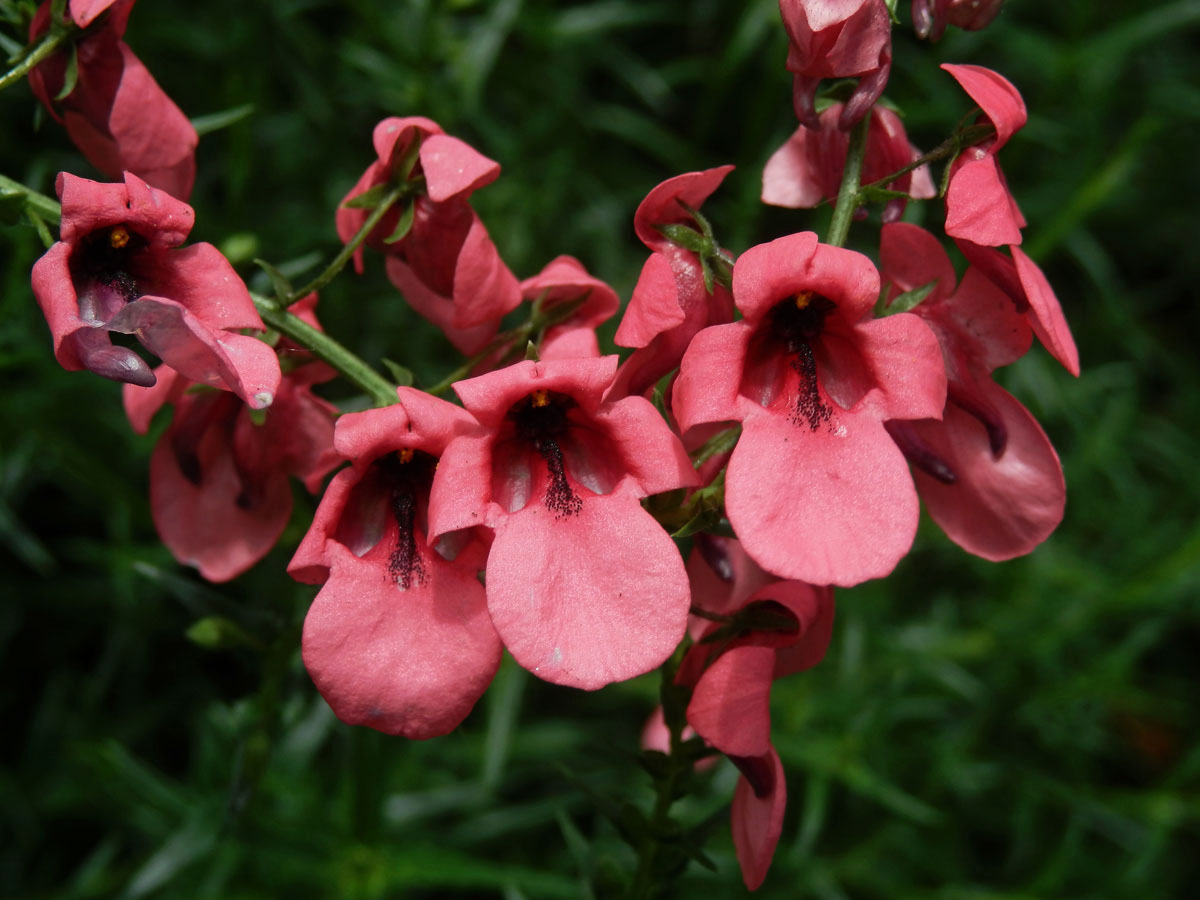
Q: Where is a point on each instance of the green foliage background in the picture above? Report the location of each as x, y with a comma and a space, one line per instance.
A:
977, 731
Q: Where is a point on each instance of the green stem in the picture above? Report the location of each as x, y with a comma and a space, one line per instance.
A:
847, 199
956, 143
381, 392
46, 208
339, 262
49, 44
514, 337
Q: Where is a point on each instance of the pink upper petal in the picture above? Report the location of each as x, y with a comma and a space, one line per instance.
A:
834, 505
979, 207
392, 135
731, 705
768, 273
986, 328
662, 204
83, 12
757, 823
1045, 313
999, 100
406, 662
563, 280
997, 508
454, 168
589, 598
419, 420
489, 397
155, 215
310, 564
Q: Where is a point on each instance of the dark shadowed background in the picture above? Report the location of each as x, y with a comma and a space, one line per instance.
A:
977, 732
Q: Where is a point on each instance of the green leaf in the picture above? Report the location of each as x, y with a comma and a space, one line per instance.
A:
531, 351
880, 195
909, 300
71, 76
403, 226
223, 119
401, 375
283, 287
891, 8
368, 199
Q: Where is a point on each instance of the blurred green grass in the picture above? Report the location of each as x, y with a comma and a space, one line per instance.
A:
977, 732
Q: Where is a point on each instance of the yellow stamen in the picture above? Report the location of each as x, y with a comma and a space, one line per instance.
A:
803, 299
541, 398
405, 454
118, 237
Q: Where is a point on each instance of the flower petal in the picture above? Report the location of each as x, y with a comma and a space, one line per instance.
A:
590, 598
731, 705
999, 100
997, 508
1045, 313
757, 823
406, 662
979, 207
826, 506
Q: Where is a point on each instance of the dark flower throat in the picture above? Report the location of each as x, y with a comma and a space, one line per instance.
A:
798, 322
541, 419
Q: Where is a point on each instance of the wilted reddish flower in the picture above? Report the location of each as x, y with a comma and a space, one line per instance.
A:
1025, 284
979, 207
770, 628
815, 489
445, 264
398, 638
808, 167
670, 302
930, 17
564, 280
583, 585
987, 472
119, 268
837, 39
219, 490
117, 115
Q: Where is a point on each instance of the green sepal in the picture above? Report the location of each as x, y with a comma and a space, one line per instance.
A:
905, 302
370, 198
58, 9
685, 237
722, 442
403, 225
258, 417
880, 195
531, 351
283, 287
223, 119
408, 162
401, 375
891, 8
71, 76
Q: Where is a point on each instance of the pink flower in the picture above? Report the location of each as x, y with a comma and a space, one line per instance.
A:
119, 268
987, 472
930, 17
773, 628
446, 264
837, 39
117, 115
583, 585
398, 638
815, 489
219, 490
564, 280
808, 167
979, 207
671, 301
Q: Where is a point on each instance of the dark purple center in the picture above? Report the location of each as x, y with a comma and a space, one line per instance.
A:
541, 419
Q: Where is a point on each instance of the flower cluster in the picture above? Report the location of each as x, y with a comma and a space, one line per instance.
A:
780, 418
